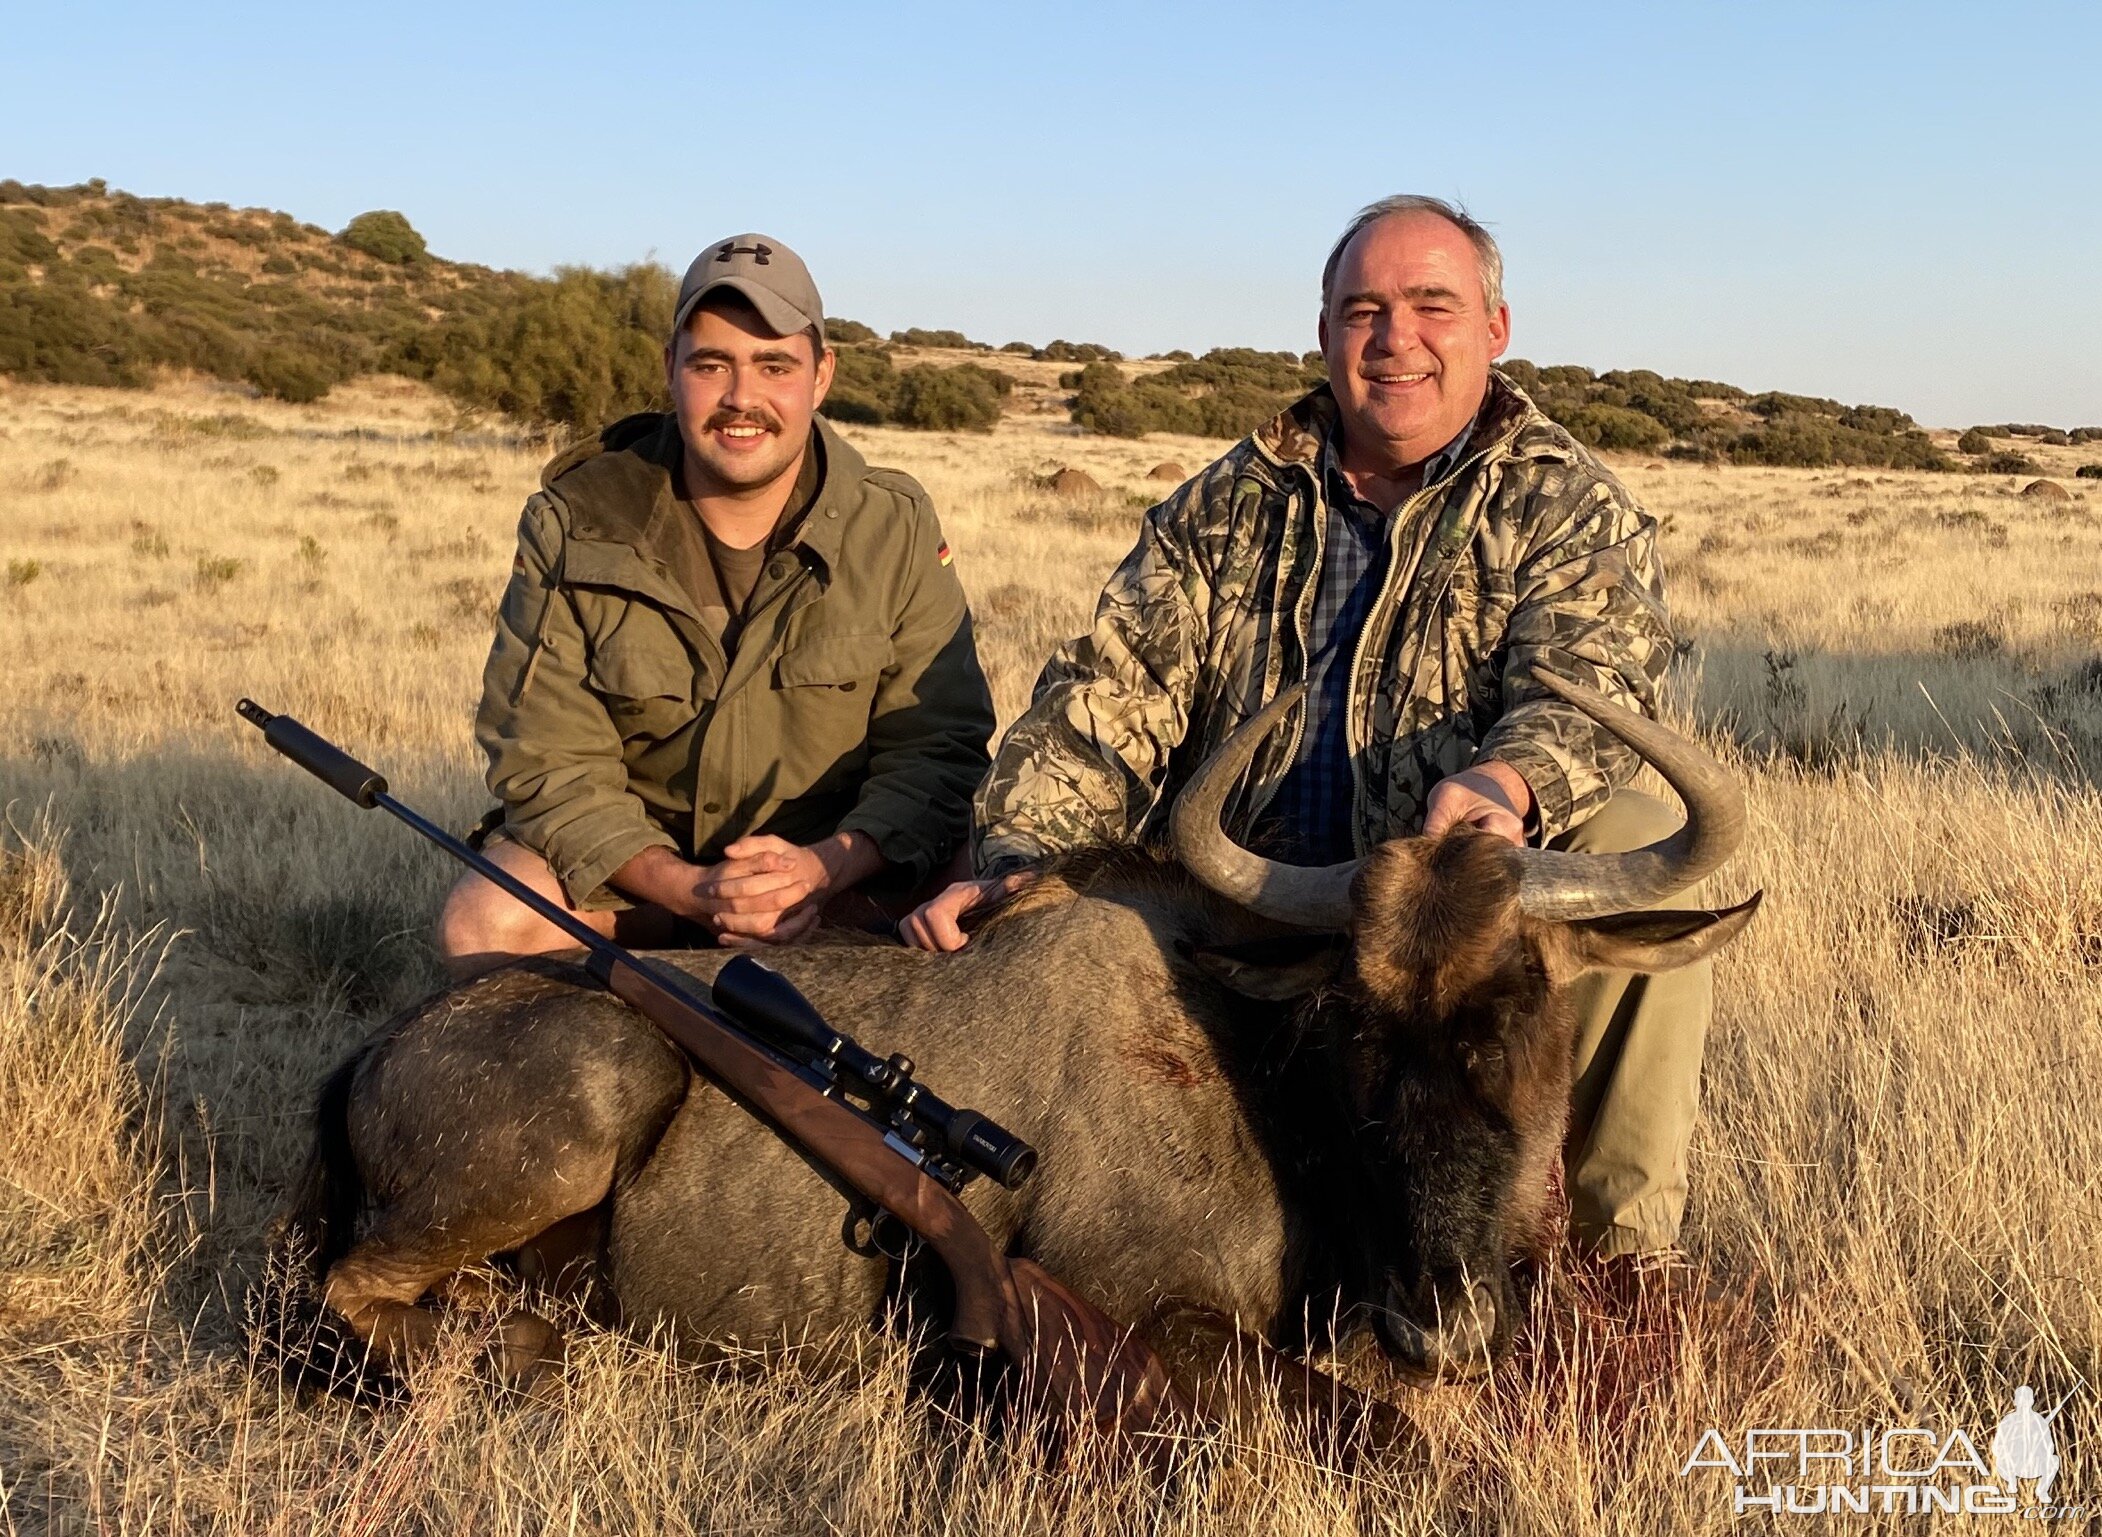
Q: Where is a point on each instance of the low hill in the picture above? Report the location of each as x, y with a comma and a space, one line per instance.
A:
105, 288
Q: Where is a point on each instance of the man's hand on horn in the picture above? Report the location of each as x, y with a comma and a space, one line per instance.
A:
1491, 795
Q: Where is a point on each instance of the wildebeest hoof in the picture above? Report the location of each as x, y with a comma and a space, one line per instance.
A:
528, 1352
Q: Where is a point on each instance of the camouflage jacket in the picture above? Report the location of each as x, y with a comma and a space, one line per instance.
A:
1527, 553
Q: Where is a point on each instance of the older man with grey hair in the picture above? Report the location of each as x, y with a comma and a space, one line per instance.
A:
1412, 540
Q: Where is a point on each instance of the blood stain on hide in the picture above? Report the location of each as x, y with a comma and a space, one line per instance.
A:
1157, 1062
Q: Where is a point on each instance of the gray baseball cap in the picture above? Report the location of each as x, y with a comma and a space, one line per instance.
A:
765, 273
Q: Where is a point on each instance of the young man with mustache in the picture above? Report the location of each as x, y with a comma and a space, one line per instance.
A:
733, 681
1411, 539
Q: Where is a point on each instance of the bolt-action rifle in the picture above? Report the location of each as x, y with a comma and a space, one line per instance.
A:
883, 1136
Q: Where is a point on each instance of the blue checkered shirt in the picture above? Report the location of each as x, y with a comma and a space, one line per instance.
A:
1308, 820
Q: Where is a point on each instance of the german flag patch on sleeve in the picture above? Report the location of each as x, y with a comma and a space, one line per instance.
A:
941, 553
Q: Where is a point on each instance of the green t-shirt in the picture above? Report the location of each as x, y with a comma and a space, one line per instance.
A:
719, 577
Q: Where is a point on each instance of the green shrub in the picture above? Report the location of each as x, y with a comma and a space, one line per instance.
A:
2009, 462
863, 386
1775, 403
847, 333
1224, 394
1003, 383
1616, 428
916, 337
1118, 414
1023, 348
574, 352
289, 375
2088, 472
1812, 440
947, 399
1975, 441
1792, 429
2085, 435
385, 235
1063, 351
1884, 421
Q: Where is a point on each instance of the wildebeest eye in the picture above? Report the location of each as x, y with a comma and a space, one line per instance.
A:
1486, 1065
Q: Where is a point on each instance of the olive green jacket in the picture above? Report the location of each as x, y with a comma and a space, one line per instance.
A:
613, 722
1527, 553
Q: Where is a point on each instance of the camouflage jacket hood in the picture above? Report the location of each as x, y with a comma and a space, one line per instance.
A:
1526, 553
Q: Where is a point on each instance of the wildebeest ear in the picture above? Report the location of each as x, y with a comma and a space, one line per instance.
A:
1657, 941
1273, 969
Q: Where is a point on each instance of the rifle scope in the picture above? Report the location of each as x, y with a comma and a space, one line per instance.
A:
759, 997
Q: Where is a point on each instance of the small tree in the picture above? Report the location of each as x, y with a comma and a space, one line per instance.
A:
1976, 441
385, 235
289, 374
947, 399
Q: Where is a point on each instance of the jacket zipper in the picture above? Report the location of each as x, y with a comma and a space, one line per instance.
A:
1352, 741
1351, 744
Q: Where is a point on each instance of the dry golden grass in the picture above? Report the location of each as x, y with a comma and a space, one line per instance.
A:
1895, 1192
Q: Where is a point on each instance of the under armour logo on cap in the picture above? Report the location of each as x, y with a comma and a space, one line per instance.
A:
730, 248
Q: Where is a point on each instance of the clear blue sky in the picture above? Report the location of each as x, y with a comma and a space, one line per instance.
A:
1889, 203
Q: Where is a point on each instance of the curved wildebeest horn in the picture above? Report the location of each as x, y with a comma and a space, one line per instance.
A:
1305, 896
1554, 884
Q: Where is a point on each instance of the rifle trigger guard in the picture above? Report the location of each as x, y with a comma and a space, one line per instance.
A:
874, 1233
858, 1230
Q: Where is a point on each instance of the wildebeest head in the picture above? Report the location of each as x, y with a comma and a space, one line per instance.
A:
1447, 1018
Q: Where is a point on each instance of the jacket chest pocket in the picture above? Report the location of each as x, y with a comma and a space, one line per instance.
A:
645, 675
825, 687
833, 672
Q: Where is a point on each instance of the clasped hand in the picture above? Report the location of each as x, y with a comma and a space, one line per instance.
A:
764, 891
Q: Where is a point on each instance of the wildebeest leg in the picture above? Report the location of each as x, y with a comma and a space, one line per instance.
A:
421, 1239
563, 1261
1230, 1370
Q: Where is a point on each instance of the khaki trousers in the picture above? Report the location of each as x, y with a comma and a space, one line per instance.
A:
1638, 1069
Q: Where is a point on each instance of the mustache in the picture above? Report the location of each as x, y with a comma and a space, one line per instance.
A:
722, 419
